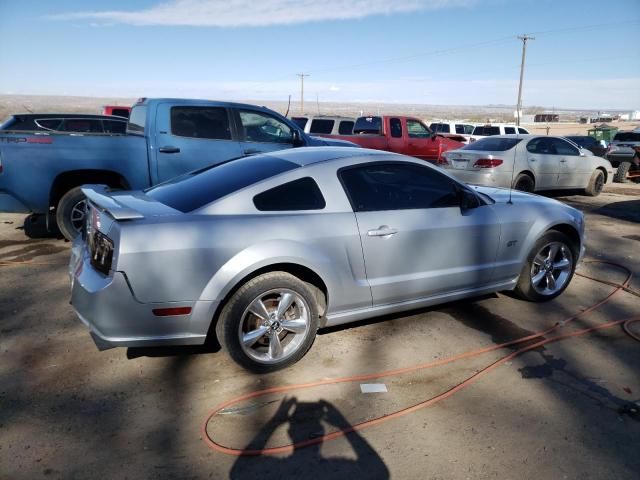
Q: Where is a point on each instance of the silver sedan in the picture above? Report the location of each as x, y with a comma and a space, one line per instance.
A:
264, 250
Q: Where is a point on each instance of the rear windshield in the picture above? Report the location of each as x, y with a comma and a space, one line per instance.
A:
492, 144
440, 128
486, 131
368, 125
201, 187
627, 137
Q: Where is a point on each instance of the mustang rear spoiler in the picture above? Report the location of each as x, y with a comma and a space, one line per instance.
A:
100, 197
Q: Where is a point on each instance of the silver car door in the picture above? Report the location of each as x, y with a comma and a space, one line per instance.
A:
416, 239
574, 169
543, 162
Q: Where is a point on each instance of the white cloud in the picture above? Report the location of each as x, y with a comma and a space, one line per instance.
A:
238, 13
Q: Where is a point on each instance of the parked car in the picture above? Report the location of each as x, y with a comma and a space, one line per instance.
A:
117, 110
64, 122
621, 152
324, 125
597, 147
42, 172
489, 129
401, 134
274, 246
460, 128
529, 163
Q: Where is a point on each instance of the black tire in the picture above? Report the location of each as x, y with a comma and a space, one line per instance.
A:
232, 321
622, 172
524, 183
67, 217
596, 184
525, 288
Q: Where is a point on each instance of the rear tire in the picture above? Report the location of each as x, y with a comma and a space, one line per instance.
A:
548, 269
260, 337
596, 184
70, 213
621, 172
524, 183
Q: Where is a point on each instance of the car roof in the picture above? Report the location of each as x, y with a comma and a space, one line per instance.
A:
310, 155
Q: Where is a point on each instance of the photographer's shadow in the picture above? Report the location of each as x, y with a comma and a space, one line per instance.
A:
307, 420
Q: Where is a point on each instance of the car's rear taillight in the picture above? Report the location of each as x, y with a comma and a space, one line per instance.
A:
487, 163
101, 250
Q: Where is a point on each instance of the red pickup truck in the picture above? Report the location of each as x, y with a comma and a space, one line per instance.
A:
400, 134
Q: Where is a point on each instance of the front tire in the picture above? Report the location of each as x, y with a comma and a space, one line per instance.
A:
70, 213
269, 323
549, 268
596, 184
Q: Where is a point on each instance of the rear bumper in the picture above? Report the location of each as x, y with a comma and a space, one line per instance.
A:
10, 204
617, 158
108, 307
482, 176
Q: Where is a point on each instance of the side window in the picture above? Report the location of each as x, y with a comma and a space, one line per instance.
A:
302, 194
319, 125
509, 130
49, 123
200, 122
468, 129
262, 127
397, 186
541, 145
564, 148
522, 131
300, 121
395, 126
114, 126
459, 128
415, 129
346, 127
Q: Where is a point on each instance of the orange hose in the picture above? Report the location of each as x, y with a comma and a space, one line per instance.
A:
375, 421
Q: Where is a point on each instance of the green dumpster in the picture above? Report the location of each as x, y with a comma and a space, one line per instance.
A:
603, 132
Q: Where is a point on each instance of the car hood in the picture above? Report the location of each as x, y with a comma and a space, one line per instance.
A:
333, 142
504, 195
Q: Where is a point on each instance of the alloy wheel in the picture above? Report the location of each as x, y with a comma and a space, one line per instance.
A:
551, 268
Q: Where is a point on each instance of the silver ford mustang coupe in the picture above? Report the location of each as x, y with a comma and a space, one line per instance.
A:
264, 250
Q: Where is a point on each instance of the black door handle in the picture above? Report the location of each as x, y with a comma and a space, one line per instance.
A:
169, 150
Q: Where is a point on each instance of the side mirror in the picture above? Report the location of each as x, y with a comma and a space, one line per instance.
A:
296, 139
467, 199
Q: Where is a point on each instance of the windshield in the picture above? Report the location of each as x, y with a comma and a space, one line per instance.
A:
201, 187
493, 144
368, 125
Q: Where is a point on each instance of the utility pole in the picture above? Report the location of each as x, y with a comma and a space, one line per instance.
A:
302, 75
524, 39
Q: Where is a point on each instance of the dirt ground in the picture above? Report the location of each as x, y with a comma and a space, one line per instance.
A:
567, 410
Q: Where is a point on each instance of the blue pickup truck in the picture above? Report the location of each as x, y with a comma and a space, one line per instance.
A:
41, 172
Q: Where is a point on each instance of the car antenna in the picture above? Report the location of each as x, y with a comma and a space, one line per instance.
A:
288, 107
513, 170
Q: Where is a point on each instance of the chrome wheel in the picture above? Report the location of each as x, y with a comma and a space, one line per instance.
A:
551, 268
274, 326
78, 213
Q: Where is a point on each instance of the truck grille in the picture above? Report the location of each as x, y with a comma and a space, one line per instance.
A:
101, 250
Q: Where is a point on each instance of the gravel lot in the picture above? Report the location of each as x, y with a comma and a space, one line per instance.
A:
565, 410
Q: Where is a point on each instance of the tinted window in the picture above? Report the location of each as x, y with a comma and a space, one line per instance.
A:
585, 142
468, 129
262, 127
541, 145
397, 187
486, 131
137, 119
459, 128
200, 122
627, 137
509, 130
368, 125
396, 127
346, 127
49, 123
522, 131
120, 112
416, 129
564, 148
302, 194
197, 189
300, 121
114, 126
441, 128
321, 126
81, 125
493, 144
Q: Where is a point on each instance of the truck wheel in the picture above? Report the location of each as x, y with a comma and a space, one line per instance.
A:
596, 184
524, 183
621, 173
70, 213
269, 323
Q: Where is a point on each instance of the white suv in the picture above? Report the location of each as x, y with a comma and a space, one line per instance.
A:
490, 129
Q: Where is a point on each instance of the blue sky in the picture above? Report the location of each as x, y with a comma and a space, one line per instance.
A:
461, 52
